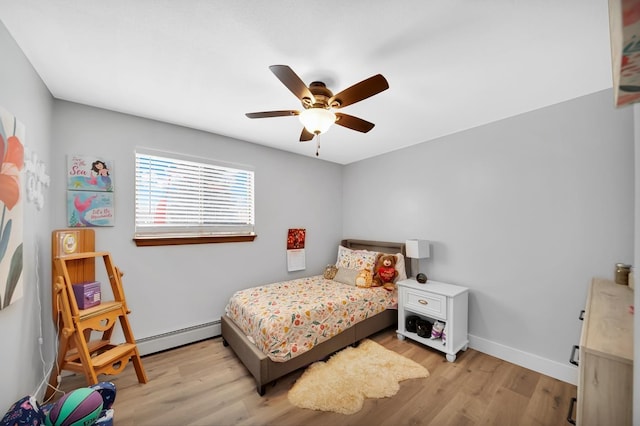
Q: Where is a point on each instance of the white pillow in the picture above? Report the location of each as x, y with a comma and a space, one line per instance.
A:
401, 268
356, 259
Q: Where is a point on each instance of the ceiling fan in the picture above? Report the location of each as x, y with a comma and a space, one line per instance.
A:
319, 103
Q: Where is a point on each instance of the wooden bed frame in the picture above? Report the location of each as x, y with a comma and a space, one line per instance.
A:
265, 371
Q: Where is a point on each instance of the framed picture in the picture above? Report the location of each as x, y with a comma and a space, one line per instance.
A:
296, 260
89, 173
89, 208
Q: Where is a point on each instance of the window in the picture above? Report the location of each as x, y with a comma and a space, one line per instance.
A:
181, 200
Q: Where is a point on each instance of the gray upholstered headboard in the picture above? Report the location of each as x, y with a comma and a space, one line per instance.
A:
383, 246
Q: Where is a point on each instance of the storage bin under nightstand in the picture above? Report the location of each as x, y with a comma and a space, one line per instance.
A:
432, 301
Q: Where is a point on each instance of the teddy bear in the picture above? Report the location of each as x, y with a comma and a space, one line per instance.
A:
384, 273
364, 278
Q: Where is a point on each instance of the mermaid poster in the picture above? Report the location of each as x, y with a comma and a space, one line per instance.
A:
89, 173
89, 208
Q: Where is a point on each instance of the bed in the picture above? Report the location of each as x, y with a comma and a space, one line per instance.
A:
267, 367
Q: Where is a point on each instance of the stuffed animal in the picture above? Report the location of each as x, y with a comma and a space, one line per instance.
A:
364, 278
330, 272
384, 273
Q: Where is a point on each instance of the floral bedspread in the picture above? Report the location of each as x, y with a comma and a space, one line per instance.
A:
287, 319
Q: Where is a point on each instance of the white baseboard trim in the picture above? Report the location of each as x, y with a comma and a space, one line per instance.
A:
173, 339
567, 373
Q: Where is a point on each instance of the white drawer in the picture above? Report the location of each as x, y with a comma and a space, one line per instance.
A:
422, 302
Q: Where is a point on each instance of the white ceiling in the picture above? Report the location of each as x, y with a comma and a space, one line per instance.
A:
451, 65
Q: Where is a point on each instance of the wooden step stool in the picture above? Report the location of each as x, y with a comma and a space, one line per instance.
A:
76, 351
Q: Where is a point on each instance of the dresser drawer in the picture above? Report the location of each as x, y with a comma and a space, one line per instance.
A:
430, 304
605, 371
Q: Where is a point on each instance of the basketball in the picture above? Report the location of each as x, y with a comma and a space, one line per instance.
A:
81, 407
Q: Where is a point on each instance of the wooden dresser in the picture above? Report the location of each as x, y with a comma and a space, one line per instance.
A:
605, 379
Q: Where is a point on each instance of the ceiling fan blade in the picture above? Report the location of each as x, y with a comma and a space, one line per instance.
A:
291, 80
267, 114
306, 135
359, 91
353, 123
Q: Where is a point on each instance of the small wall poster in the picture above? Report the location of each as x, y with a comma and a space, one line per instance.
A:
89, 208
89, 173
295, 238
296, 260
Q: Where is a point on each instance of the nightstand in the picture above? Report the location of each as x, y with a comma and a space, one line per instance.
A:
433, 301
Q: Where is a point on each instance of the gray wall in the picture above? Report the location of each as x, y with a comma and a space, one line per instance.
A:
174, 287
23, 94
523, 211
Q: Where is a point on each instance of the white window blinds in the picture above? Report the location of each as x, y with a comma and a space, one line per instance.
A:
176, 195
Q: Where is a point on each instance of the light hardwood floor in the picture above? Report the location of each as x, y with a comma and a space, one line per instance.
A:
205, 384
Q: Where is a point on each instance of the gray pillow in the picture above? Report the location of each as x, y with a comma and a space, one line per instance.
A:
346, 276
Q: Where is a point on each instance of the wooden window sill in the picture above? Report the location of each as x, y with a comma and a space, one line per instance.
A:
208, 239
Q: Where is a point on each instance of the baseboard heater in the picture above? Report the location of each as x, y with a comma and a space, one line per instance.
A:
173, 339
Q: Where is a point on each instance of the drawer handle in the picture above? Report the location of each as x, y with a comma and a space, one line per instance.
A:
570, 418
573, 355
423, 302
581, 316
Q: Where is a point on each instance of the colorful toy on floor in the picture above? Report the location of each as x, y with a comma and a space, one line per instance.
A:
74, 408
77, 408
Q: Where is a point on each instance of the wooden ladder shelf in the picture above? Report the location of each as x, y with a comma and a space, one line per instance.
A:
76, 351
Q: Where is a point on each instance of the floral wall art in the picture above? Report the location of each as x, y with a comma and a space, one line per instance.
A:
11, 212
89, 191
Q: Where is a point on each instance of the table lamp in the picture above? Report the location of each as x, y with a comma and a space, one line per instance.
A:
418, 249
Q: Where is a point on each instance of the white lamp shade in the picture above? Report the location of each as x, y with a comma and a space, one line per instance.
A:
317, 120
417, 249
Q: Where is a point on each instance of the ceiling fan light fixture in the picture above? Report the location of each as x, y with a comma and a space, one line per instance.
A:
317, 120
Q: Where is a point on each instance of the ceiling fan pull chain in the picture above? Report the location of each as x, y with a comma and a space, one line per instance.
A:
318, 145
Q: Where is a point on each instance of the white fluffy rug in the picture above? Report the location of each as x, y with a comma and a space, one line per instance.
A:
343, 382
